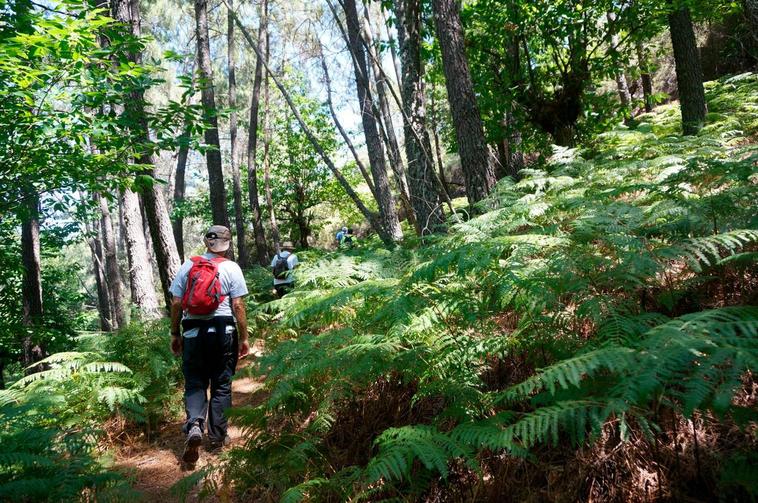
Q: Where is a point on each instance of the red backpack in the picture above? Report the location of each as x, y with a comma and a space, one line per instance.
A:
203, 293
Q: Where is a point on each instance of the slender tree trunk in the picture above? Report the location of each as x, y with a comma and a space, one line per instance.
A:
370, 217
140, 270
275, 236
156, 211
750, 13
239, 223
113, 277
424, 194
689, 72
622, 87
252, 143
31, 287
179, 189
645, 77
103, 301
440, 165
514, 156
387, 211
393, 50
146, 232
385, 121
478, 173
213, 154
345, 136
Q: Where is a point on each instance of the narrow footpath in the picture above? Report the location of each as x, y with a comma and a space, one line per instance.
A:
156, 465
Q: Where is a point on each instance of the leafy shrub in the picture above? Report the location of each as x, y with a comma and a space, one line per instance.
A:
157, 374
49, 428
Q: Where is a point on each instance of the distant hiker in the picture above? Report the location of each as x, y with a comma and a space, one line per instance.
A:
340, 235
347, 240
282, 265
208, 297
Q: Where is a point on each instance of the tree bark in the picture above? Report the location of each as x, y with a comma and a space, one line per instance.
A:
645, 77
438, 152
140, 270
239, 222
252, 143
370, 217
113, 277
156, 211
31, 287
424, 194
689, 72
385, 121
179, 189
393, 50
387, 211
622, 87
213, 154
478, 172
105, 310
275, 236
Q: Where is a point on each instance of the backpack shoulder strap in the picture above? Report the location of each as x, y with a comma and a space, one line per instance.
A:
218, 260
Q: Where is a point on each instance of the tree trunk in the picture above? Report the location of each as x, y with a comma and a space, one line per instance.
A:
103, 301
236, 177
213, 154
750, 13
387, 211
113, 277
478, 173
156, 211
645, 77
31, 287
385, 121
514, 156
345, 136
146, 232
689, 73
622, 87
140, 270
424, 194
179, 189
393, 51
252, 144
275, 236
370, 217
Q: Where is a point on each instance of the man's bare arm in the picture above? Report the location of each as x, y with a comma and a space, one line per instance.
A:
176, 315
176, 318
238, 307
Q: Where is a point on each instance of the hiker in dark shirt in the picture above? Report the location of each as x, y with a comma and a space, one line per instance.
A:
282, 266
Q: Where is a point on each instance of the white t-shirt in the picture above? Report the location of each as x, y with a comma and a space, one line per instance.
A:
291, 263
232, 286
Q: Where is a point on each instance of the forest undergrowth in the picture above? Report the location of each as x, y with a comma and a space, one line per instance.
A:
591, 335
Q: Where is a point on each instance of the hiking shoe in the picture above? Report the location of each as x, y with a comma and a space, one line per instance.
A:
216, 445
192, 445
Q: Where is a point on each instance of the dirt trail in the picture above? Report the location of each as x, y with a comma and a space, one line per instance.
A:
156, 465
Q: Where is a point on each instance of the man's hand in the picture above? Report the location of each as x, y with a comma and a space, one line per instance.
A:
244, 348
176, 345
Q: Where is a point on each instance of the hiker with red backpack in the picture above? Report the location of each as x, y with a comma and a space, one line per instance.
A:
282, 266
208, 297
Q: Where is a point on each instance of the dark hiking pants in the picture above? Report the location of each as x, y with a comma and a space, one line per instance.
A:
210, 358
